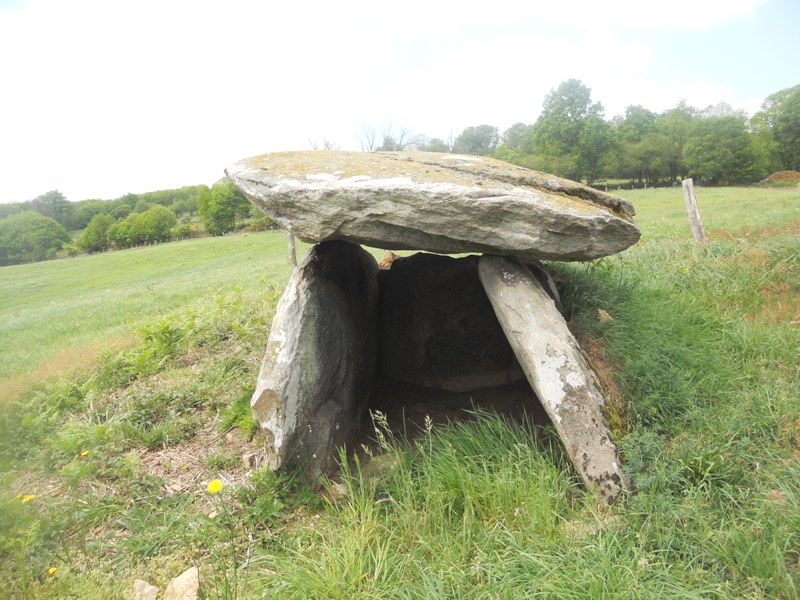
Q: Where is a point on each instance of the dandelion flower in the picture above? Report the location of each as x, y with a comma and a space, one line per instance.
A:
85, 453
28, 498
215, 487
52, 570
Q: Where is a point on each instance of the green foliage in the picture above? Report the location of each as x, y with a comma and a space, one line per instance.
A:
571, 126
719, 145
239, 414
95, 237
53, 204
221, 207
721, 151
435, 145
781, 113
481, 140
149, 227
28, 237
182, 231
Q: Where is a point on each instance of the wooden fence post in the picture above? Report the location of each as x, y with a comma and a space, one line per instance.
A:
292, 251
694, 214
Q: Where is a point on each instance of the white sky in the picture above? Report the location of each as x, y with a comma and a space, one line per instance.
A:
104, 97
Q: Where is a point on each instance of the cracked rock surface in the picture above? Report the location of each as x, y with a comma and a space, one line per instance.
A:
445, 203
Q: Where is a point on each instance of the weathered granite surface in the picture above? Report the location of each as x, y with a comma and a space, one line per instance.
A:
321, 357
436, 202
556, 369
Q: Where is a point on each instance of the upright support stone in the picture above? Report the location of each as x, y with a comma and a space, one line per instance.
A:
556, 369
321, 358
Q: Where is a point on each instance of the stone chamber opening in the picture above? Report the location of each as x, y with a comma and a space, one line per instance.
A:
443, 354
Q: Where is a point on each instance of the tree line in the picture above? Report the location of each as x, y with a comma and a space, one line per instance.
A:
716, 145
39, 229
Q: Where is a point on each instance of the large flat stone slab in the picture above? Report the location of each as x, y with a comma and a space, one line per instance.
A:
556, 369
441, 203
321, 358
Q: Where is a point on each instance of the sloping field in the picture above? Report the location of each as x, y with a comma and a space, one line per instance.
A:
58, 313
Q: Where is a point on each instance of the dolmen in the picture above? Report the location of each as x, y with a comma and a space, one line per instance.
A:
455, 323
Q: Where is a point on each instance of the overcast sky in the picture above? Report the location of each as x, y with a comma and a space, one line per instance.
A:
104, 97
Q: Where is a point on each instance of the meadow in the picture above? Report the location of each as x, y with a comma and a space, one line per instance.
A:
106, 469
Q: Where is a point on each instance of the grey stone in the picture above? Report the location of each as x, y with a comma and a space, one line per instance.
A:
321, 358
143, 591
438, 328
441, 203
556, 369
185, 586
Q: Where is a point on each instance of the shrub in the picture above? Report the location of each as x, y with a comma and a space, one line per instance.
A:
29, 237
95, 237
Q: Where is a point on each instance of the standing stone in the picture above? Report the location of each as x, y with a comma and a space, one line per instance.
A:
444, 203
321, 358
556, 369
438, 328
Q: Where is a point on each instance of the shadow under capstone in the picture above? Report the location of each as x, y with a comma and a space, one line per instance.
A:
443, 354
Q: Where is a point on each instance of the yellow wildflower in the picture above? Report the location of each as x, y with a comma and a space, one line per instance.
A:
52, 570
85, 453
215, 487
28, 498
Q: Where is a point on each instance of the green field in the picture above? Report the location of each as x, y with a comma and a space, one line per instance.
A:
51, 308
55, 309
104, 472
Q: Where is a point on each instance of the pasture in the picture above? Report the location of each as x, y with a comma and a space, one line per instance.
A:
106, 470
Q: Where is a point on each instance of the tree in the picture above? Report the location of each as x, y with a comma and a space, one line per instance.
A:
721, 151
559, 134
480, 139
30, 236
781, 112
221, 206
677, 125
594, 142
367, 138
764, 139
564, 111
519, 138
85, 210
53, 204
405, 139
118, 234
121, 210
637, 123
517, 145
141, 206
150, 227
155, 224
435, 145
95, 237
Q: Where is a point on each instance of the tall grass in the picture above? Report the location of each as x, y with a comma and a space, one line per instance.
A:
710, 382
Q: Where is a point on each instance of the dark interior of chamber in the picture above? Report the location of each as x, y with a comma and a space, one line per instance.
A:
443, 355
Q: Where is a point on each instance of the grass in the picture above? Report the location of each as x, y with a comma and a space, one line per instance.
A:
53, 307
703, 343
661, 212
